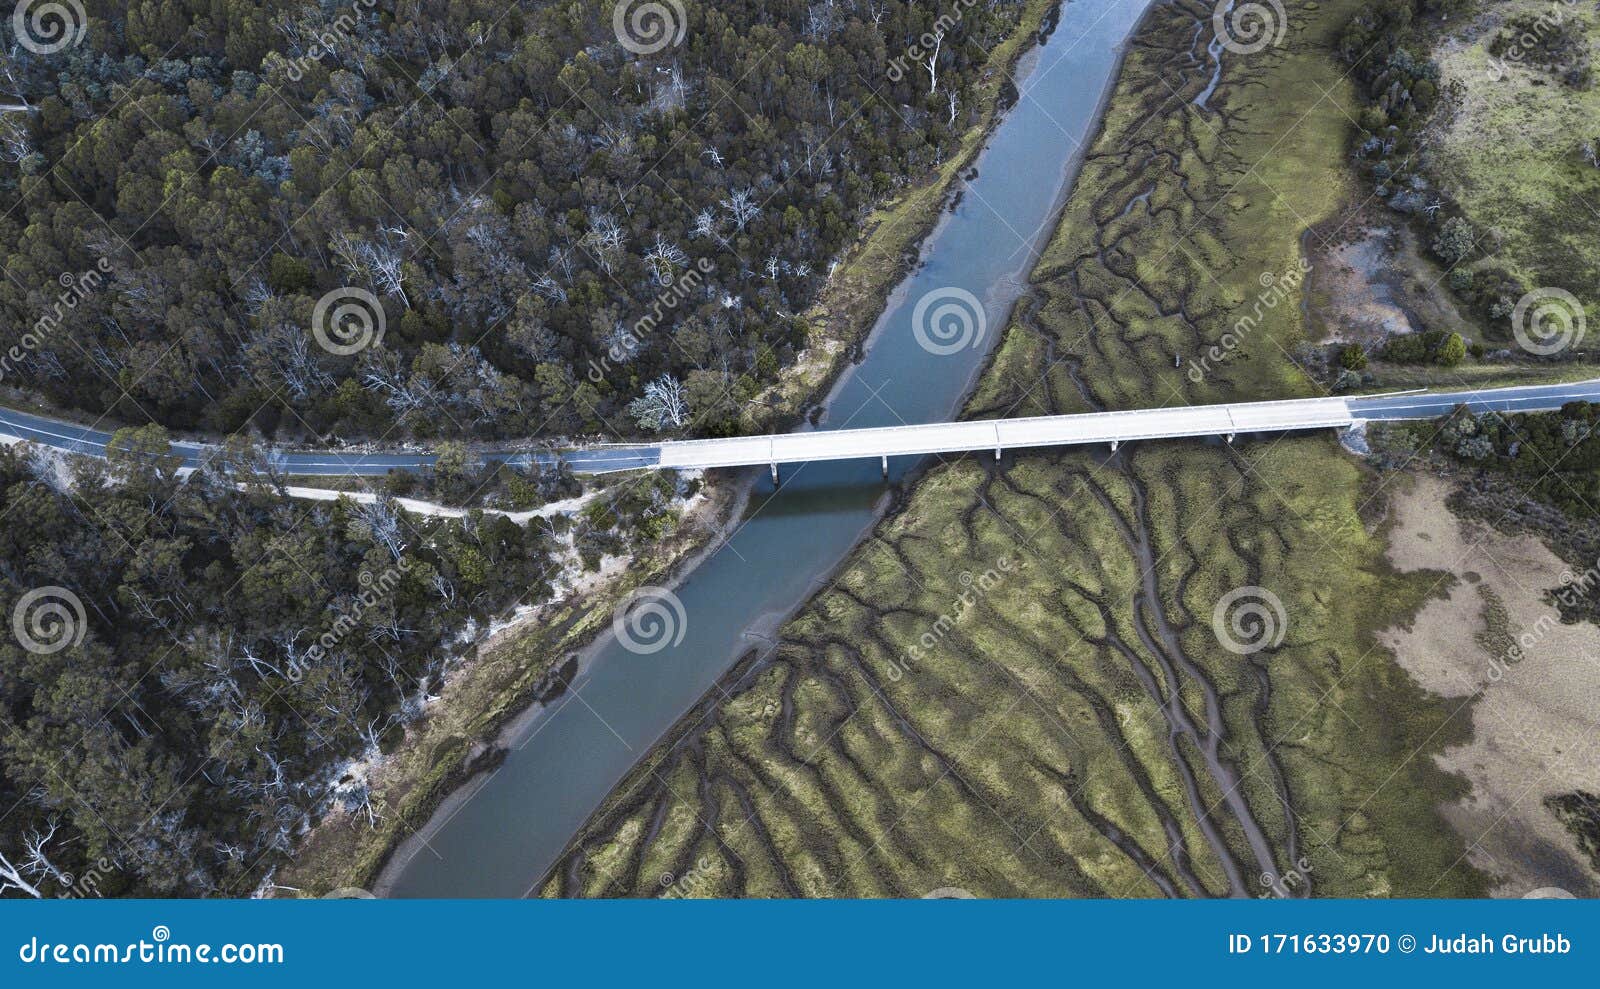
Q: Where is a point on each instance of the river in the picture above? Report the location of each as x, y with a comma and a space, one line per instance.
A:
499, 837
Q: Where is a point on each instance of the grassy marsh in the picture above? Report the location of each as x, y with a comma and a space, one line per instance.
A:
1014, 687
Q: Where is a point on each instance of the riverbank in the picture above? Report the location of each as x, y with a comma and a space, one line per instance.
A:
1018, 686
341, 854
528, 660
889, 246
568, 766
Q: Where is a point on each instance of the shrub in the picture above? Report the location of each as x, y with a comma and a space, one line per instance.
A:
1455, 240
1452, 352
1430, 347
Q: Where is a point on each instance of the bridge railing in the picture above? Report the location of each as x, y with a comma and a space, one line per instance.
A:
1008, 434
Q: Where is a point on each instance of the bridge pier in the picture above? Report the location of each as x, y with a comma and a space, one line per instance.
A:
1109, 430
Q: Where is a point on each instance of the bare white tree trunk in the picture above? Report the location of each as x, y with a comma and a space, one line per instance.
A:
11, 878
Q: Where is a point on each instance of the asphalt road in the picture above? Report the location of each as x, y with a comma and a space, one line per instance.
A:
1416, 405
330, 463
1431, 405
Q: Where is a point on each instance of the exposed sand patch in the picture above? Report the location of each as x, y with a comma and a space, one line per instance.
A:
1536, 720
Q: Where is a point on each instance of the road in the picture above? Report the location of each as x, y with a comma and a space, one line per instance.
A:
70, 438
1111, 427
950, 437
1431, 405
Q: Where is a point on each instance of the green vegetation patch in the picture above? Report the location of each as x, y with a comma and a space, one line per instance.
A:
1015, 686
1512, 151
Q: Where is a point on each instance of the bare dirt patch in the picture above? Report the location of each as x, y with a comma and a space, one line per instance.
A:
1375, 280
1359, 305
1533, 717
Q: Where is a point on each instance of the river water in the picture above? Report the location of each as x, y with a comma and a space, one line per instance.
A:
499, 838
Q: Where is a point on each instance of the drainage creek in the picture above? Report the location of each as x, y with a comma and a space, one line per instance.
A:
500, 835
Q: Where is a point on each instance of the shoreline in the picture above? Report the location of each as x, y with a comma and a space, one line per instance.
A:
375, 858
339, 846
751, 661
726, 518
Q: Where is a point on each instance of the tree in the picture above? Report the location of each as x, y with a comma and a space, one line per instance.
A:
1353, 357
663, 405
12, 877
742, 207
1453, 351
1455, 241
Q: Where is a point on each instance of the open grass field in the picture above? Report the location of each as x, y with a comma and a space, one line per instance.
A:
1014, 688
1511, 156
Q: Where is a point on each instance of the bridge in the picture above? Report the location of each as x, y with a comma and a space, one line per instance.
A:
879, 443
999, 435
1102, 428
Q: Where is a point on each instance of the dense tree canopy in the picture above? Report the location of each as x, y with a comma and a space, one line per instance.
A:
187, 665
1554, 455
514, 186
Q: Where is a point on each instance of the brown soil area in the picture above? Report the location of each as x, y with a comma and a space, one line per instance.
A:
1533, 717
1372, 278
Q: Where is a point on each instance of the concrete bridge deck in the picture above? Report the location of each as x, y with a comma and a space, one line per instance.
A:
1008, 434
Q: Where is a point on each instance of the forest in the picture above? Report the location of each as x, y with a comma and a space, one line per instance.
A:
198, 669
1554, 455
190, 188
371, 220
213, 653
